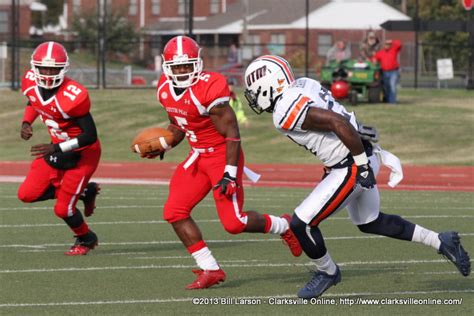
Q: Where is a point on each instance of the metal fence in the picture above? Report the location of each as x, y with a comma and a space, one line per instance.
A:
131, 70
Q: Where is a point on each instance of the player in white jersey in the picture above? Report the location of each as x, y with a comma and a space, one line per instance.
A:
307, 113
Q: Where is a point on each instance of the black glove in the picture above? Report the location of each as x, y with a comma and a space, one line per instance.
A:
227, 185
365, 176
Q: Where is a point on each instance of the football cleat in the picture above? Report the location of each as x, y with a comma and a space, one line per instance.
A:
206, 278
451, 248
83, 244
319, 283
290, 239
88, 197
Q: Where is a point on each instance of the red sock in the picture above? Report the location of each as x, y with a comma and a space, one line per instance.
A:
197, 246
81, 230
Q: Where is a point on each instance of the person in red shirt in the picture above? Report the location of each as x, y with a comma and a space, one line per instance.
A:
388, 59
197, 104
61, 169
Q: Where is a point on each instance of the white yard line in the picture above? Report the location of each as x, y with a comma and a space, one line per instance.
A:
167, 242
203, 221
276, 183
266, 297
182, 266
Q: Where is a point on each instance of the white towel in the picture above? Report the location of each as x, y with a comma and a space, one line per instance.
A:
252, 175
392, 162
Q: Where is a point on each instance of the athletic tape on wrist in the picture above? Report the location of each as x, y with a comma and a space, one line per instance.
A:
69, 145
361, 159
232, 170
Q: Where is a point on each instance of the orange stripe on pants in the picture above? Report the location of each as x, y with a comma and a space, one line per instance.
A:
337, 201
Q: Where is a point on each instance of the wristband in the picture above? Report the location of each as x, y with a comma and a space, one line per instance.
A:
231, 139
231, 170
69, 145
361, 159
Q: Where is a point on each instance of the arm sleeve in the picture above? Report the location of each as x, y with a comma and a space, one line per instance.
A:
397, 45
30, 115
87, 137
89, 131
329, 55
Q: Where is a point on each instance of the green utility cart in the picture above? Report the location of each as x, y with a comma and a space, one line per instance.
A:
364, 78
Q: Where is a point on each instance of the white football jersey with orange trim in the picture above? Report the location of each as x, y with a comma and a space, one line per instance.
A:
290, 112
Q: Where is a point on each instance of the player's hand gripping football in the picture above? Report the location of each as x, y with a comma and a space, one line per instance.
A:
227, 185
365, 176
153, 154
26, 131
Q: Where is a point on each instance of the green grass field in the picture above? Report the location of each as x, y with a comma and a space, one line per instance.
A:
428, 127
140, 267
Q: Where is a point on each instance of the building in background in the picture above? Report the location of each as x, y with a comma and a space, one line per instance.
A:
25, 9
256, 26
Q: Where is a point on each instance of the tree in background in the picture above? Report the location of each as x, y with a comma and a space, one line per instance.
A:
438, 45
445, 44
55, 9
121, 36
41, 19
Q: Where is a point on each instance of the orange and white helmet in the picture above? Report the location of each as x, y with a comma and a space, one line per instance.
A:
182, 50
50, 55
265, 80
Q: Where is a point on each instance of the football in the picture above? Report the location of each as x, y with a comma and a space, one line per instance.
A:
152, 139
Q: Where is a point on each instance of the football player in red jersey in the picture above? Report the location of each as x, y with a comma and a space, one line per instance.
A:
197, 103
61, 170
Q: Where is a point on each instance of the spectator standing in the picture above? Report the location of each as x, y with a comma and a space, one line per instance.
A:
369, 46
388, 58
233, 54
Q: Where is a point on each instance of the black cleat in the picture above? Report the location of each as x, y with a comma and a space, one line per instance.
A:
83, 244
319, 283
88, 197
451, 248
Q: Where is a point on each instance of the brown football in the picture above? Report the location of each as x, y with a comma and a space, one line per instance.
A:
152, 139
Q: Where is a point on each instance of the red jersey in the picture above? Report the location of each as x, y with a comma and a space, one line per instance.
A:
190, 109
58, 112
388, 58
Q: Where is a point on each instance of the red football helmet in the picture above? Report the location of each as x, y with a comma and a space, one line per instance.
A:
340, 89
182, 50
50, 55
